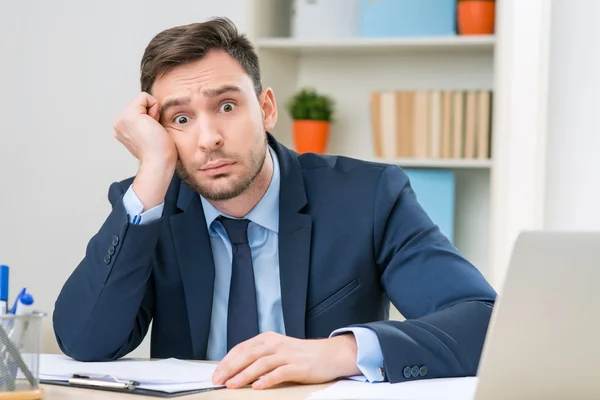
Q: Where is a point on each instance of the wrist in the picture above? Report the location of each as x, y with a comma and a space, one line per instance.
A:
157, 161
151, 183
345, 351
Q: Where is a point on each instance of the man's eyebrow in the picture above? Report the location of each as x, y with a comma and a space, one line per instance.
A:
220, 90
180, 101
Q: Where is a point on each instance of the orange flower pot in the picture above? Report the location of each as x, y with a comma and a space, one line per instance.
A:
476, 17
311, 136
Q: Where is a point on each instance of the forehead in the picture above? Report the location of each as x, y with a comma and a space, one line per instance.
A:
215, 69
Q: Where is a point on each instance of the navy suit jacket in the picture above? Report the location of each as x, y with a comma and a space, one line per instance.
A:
352, 237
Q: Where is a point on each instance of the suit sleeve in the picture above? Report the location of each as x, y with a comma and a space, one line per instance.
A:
446, 301
105, 307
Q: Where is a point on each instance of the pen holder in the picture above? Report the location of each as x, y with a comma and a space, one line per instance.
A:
20, 344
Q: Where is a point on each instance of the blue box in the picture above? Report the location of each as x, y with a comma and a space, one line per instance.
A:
407, 18
436, 191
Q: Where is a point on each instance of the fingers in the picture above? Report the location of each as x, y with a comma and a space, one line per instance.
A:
144, 102
284, 373
240, 357
255, 370
238, 350
154, 112
246, 353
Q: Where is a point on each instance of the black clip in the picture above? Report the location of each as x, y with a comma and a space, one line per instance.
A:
102, 382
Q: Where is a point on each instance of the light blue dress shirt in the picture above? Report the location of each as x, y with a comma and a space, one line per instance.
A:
263, 240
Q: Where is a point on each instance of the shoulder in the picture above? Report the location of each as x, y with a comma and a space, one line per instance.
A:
342, 168
327, 169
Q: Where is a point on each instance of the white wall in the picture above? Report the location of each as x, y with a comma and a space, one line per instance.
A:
573, 148
67, 68
547, 125
519, 126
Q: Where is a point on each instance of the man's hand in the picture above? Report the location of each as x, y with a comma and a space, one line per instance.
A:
140, 131
270, 358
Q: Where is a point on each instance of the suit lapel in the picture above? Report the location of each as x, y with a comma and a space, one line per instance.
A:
295, 230
194, 254
294, 258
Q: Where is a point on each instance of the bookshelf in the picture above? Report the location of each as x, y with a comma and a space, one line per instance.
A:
450, 163
351, 69
374, 46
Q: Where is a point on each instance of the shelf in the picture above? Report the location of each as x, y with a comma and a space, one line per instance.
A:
350, 69
437, 163
383, 46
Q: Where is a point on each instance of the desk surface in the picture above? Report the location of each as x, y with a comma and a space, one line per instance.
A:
288, 392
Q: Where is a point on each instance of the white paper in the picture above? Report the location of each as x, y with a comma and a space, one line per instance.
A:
430, 389
177, 387
170, 375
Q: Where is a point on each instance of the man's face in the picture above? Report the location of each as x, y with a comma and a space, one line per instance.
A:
211, 111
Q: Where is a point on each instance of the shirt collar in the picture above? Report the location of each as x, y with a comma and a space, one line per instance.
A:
265, 213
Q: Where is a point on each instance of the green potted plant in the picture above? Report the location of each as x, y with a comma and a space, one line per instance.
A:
312, 113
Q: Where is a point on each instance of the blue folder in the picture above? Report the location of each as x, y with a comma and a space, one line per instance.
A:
407, 18
435, 190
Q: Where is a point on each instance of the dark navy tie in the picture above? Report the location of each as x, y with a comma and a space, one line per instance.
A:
242, 313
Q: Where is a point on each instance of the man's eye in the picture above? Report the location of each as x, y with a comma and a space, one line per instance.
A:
182, 120
227, 107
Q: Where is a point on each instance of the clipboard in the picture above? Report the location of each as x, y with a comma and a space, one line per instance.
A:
113, 384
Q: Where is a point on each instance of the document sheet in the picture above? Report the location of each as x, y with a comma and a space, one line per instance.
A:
169, 375
425, 389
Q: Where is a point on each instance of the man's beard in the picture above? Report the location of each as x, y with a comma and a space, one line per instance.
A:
242, 184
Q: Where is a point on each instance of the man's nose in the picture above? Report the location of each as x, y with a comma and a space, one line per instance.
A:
209, 137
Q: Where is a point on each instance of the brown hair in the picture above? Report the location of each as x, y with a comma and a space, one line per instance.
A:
187, 43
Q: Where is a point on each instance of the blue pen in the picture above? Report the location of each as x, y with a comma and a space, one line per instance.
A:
22, 307
13, 309
4, 274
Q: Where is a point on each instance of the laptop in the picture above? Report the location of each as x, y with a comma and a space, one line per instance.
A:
544, 336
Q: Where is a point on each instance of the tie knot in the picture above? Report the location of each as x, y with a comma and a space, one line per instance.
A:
237, 229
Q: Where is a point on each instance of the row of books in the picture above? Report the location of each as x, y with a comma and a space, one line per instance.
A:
432, 123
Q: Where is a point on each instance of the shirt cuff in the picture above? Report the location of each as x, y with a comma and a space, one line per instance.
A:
135, 209
369, 358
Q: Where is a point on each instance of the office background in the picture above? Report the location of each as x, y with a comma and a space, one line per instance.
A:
67, 68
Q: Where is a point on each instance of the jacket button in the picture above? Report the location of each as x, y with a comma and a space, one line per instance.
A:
111, 250
423, 371
115, 241
406, 372
106, 259
414, 371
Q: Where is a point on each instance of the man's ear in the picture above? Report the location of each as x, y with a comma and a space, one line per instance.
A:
269, 108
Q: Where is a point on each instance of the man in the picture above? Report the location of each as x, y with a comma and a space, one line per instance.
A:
240, 250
